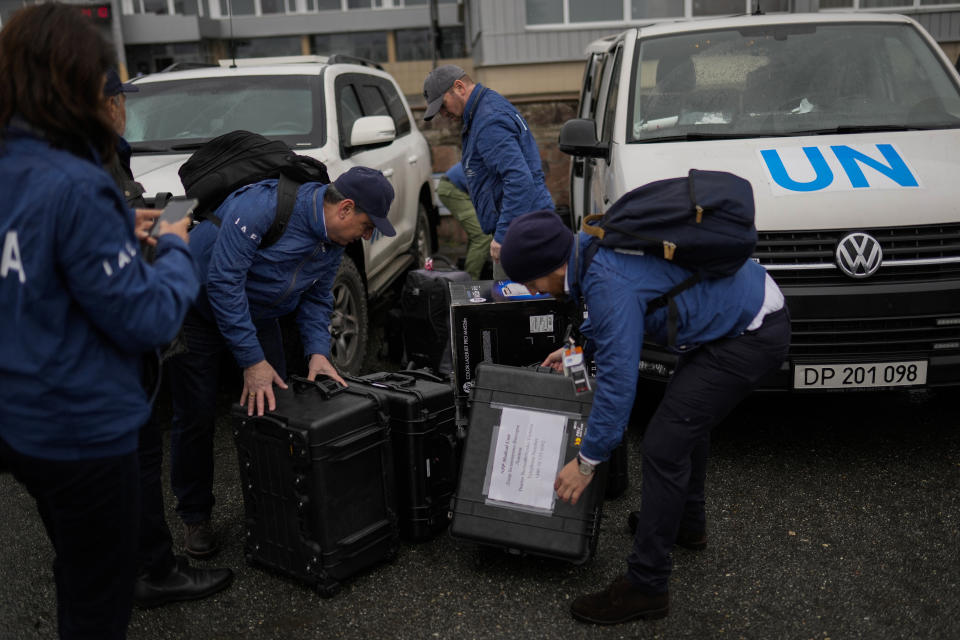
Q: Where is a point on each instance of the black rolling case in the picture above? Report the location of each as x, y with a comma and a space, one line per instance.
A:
524, 426
425, 447
425, 311
318, 483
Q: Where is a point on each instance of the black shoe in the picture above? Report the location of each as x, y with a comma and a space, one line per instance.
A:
620, 602
693, 540
199, 540
182, 583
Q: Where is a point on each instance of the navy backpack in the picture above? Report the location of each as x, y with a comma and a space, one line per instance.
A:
703, 222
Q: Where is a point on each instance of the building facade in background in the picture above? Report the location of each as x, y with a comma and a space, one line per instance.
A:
531, 47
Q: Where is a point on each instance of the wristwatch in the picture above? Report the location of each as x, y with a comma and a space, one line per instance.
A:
586, 468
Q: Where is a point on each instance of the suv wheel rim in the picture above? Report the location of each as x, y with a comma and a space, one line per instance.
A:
344, 327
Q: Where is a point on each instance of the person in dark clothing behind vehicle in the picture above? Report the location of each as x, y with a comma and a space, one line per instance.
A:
245, 291
79, 308
115, 93
162, 577
453, 192
731, 331
500, 156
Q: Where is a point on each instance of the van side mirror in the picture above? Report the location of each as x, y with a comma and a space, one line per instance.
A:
578, 138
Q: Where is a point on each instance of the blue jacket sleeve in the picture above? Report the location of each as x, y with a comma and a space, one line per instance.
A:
140, 306
244, 220
616, 327
499, 146
314, 311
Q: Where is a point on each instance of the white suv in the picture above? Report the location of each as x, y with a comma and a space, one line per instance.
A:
848, 128
344, 112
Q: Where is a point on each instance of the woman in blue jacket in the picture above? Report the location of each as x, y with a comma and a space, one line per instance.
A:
79, 308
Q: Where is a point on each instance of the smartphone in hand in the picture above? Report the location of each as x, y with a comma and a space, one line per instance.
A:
174, 211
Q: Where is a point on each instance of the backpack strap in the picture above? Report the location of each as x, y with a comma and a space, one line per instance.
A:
673, 313
286, 199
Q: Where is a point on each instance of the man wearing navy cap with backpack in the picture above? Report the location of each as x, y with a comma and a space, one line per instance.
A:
245, 289
728, 331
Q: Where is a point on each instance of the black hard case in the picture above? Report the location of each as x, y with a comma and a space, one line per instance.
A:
511, 332
425, 313
425, 446
318, 484
570, 532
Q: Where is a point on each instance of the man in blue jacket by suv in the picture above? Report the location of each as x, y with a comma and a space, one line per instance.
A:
245, 290
500, 156
729, 333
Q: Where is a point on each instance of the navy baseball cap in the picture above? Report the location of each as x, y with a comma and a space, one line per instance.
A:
372, 193
438, 82
114, 87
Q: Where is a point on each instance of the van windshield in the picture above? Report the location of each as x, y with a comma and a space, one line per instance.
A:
178, 115
789, 80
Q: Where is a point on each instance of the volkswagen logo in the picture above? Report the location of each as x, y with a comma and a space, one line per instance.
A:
859, 255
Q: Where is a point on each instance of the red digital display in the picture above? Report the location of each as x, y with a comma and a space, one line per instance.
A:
96, 12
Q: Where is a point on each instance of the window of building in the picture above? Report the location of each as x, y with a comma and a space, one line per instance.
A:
265, 47
271, 6
368, 44
836, 4
877, 4
328, 5
718, 7
595, 10
158, 7
239, 7
186, 7
544, 11
645, 9
417, 44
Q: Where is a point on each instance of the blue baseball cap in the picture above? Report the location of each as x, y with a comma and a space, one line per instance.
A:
372, 193
114, 87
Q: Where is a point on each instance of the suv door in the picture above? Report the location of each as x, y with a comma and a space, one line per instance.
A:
359, 95
597, 171
592, 77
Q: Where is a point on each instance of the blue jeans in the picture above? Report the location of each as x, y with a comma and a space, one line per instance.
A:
706, 385
194, 381
90, 510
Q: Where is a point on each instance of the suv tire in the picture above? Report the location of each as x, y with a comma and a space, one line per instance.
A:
422, 247
349, 321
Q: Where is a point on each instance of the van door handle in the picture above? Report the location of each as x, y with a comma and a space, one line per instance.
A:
413, 159
388, 172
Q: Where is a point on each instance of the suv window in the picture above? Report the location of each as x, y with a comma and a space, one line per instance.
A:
178, 114
365, 95
741, 82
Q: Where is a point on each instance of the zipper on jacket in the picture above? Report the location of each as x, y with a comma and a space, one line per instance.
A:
293, 279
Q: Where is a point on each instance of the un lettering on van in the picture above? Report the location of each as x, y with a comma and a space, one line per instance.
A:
815, 169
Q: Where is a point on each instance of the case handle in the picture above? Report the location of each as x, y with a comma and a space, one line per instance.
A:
327, 386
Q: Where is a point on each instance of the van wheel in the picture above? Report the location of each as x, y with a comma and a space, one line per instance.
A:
422, 240
349, 321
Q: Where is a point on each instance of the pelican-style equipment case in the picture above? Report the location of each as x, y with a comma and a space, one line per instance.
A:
524, 426
318, 483
425, 446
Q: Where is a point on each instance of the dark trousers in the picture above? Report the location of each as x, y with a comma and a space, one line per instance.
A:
194, 379
89, 509
706, 385
156, 543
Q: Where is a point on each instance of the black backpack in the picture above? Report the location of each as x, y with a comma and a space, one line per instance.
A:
702, 222
228, 162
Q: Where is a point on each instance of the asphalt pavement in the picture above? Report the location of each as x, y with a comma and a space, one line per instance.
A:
829, 517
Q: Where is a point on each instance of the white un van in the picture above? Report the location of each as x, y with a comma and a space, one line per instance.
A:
848, 128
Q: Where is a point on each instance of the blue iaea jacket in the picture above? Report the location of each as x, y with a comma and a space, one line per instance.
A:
78, 305
242, 283
617, 288
501, 162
